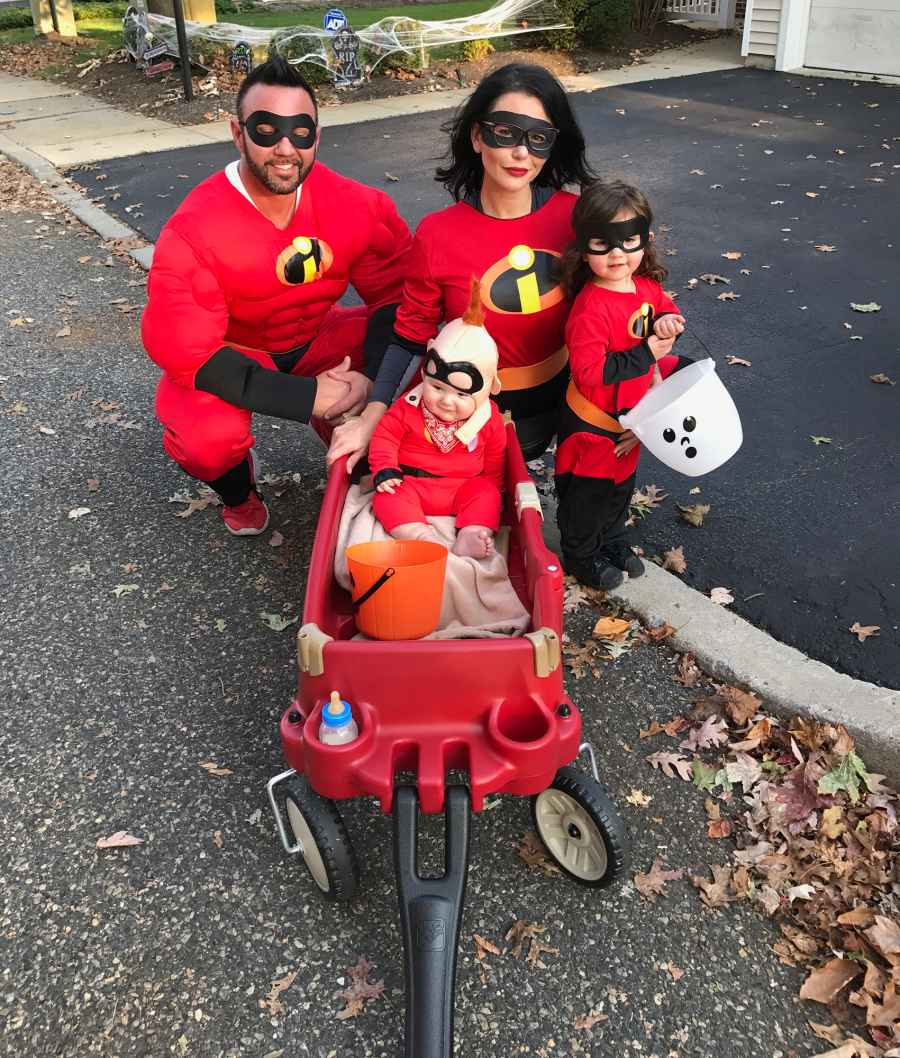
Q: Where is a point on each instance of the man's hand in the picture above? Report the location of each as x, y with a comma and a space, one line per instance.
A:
358, 393
330, 390
660, 347
626, 443
668, 326
389, 485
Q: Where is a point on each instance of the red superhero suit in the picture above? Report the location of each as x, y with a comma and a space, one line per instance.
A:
242, 315
612, 368
466, 481
525, 307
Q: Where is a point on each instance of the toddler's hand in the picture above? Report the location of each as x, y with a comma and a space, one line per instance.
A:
660, 347
627, 441
389, 485
657, 376
669, 326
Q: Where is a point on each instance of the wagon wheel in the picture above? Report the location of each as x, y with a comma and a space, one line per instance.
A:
581, 829
324, 843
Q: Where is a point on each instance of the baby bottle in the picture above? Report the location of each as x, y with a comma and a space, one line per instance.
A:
338, 726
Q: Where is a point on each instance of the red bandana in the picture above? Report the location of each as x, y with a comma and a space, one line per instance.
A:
442, 434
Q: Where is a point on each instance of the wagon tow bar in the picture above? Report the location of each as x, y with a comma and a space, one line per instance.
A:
430, 918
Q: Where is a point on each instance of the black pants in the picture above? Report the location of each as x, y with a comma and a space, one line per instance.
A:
591, 515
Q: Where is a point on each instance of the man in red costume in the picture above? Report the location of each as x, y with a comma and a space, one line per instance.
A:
242, 313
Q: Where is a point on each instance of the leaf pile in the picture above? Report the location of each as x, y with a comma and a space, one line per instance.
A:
817, 852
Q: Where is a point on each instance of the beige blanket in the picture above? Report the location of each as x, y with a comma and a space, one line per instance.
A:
479, 601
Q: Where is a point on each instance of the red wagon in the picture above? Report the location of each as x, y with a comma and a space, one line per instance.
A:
495, 709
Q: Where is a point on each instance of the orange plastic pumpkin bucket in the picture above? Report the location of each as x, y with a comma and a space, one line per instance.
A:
398, 586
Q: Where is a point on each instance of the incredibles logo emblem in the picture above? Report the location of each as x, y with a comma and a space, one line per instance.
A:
304, 261
640, 325
522, 282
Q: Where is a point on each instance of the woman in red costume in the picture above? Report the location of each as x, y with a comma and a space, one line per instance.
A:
513, 147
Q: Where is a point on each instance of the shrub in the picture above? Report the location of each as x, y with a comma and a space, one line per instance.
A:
473, 50
595, 23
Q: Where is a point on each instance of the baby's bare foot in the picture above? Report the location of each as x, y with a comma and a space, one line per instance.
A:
474, 541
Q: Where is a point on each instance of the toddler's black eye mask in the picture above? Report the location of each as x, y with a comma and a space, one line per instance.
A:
436, 367
616, 233
300, 129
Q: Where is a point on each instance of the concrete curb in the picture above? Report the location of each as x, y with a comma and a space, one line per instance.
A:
731, 649
56, 186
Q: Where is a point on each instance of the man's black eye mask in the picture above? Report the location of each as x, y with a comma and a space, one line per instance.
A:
300, 129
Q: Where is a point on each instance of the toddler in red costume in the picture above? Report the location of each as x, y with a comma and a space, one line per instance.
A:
441, 449
620, 334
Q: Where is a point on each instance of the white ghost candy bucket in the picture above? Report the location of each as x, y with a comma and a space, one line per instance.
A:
689, 421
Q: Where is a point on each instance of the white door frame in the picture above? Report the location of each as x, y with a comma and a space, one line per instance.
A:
790, 53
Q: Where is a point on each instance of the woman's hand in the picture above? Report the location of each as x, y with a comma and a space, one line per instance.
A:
352, 438
627, 441
389, 485
668, 326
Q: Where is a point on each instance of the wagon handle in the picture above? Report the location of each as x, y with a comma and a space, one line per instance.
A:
430, 916
382, 580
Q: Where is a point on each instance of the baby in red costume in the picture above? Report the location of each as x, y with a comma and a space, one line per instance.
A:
441, 449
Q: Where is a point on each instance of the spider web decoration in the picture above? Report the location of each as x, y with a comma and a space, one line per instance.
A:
396, 33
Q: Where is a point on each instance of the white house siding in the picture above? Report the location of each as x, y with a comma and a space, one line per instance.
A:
761, 31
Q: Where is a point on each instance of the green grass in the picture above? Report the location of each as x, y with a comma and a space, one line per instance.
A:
358, 17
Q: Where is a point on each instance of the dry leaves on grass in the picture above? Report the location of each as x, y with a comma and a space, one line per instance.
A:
652, 884
360, 991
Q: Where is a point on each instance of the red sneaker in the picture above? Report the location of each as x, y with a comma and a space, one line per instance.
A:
249, 518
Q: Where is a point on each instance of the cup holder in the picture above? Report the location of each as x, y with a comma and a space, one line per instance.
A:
520, 725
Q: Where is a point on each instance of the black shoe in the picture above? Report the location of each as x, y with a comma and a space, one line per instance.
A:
622, 557
594, 573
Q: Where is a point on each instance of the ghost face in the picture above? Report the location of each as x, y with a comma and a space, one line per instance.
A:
685, 435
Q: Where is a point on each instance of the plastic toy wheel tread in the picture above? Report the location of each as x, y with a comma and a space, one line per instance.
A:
325, 844
581, 829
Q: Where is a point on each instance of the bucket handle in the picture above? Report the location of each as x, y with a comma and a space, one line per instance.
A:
382, 580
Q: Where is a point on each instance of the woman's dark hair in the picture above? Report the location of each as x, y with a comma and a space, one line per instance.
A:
276, 70
567, 164
598, 204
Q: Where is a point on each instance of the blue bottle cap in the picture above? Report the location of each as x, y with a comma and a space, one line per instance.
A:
333, 716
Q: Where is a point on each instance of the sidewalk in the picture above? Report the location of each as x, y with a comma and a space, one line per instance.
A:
67, 129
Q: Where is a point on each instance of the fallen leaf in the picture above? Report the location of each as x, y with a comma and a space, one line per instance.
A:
745, 770
669, 763
277, 622
800, 892
714, 893
820, 440
746, 272
721, 596
276, 539
360, 992
811, 194
703, 776
732, 255
698, 172
611, 628
93, 484
719, 828
859, 916
47, 431
391, 178
740, 705
272, 1002
823, 247
212, 768
78, 512
217, 838
651, 884
862, 632
832, 825
727, 295
825, 982
882, 379
688, 673
638, 798
675, 972
588, 1021
673, 559
712, 732
533, 851
695, 514
738, 360
870, 306
845, 777
712, 278
120, 840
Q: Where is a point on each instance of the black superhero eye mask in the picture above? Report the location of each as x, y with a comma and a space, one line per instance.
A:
440, 369
267, 129
502, 128
628, 235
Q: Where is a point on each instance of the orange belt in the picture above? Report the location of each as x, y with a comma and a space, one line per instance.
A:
512, 378
588, 412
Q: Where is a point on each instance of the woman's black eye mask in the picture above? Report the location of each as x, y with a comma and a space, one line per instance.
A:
300, 129
616, 233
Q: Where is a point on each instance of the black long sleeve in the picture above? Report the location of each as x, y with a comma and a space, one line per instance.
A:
379, 335
397, 358
241, 381
632, 363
